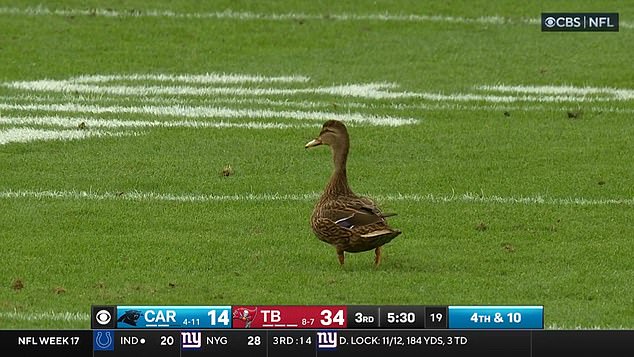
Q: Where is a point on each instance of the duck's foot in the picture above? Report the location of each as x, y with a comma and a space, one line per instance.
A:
340, 256
377, 256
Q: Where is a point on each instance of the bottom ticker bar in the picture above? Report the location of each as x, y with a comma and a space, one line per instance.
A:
332, 343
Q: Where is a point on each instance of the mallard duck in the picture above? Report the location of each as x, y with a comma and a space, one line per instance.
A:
349, 222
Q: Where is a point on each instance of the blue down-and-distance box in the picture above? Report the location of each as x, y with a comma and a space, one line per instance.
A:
182, 317
496, 317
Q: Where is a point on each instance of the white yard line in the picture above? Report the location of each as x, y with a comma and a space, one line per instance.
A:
212, 112
250, 16
429, 197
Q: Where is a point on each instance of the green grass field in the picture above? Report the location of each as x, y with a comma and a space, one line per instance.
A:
507, 153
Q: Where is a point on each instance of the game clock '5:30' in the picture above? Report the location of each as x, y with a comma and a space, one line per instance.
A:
401, 317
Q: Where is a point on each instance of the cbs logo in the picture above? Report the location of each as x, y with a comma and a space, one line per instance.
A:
563, 21
103, 317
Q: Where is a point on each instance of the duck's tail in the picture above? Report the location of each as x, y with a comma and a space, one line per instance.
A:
381, 236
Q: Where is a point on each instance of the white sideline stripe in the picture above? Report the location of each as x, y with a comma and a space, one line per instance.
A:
430, 197
242, 15
73, 122
245, 16
44, 316
191, 78
211, 112
368, 91
152, 196
623, 94
23, 135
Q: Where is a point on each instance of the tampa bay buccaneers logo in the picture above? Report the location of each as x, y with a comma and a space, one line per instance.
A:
246, 315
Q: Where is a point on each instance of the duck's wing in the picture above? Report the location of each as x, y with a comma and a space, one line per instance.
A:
369, 204
354, 212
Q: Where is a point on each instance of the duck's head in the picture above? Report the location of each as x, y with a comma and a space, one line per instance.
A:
333, 133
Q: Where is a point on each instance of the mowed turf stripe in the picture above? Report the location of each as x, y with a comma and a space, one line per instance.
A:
429, 197
250, 16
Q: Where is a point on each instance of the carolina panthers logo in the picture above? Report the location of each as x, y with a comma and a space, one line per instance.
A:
130, 317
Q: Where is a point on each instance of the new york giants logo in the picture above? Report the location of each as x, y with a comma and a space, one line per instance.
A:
326, 339
191, 339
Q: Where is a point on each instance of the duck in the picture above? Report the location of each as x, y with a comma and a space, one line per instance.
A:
349, 222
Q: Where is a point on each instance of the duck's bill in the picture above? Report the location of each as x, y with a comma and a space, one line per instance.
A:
312, 143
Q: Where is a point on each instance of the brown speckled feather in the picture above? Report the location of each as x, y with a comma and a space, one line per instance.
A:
349, 222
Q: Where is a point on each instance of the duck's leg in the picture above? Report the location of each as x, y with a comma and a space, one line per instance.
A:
340, 256
377, 256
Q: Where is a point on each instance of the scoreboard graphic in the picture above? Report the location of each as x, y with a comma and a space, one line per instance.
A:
329, 330
317, 317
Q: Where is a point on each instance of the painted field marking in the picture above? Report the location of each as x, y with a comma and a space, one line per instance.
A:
311, 196
375, 91
23, 135
44, 316
211, 112
368, 90
617, 93
304, 104
74, 122
137, 90
173, 90
207, 78
251, 16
